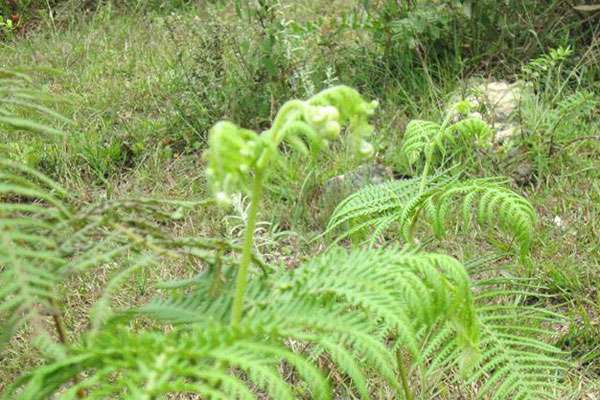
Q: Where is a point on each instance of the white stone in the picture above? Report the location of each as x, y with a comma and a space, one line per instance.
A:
503, 99
559, 222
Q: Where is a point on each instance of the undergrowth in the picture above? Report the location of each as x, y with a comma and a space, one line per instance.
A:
469, 272
232, 334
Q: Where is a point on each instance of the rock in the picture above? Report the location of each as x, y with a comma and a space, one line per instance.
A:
502, 100
339, 187
523, 174
496, 103
358, 178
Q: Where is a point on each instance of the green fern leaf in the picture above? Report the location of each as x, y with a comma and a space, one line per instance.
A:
417, 138
401, 202
515, 360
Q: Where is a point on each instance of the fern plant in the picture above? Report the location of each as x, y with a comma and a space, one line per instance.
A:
226, 336
485, 202
436, 199
515, 361
425, 142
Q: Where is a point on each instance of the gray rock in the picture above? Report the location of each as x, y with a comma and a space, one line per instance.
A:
364, 175
523, 174
339, 187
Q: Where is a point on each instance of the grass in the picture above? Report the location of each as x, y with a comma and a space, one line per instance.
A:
118, 86
126, 78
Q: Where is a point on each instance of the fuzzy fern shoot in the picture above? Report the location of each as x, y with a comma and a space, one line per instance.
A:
238, 159
236, 155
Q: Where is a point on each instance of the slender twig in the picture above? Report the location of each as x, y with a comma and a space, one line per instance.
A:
582, 138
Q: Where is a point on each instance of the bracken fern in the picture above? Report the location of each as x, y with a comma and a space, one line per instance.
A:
222, 335
515, 360
404, 204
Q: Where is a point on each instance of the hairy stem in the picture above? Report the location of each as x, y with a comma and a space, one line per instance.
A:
242, 275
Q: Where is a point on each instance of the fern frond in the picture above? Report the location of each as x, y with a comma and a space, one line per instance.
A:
515, 359
374, 206
401, 202
417, 138
422, 139
390, 293
492, 203
29, 257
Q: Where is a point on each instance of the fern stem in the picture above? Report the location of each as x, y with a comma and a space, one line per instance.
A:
60, 328
59, 325
425, 172
403, 377
242, 275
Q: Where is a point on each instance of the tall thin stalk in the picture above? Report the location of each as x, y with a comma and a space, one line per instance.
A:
242, 275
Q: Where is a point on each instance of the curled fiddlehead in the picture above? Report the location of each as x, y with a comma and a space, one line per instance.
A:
236, 155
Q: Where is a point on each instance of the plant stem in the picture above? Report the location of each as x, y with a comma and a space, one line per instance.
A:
242, 275
425, 173
59, 325
60, 328
403, 377
429, 154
